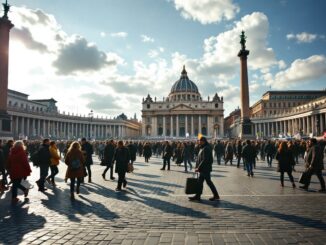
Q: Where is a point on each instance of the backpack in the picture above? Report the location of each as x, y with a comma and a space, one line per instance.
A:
75, 164
35, 158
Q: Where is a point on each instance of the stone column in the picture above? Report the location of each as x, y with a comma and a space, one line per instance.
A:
171, 126
186, 125
308, 125
164, 126
199, 124
192, 126
177, 131
28, 131
313, 125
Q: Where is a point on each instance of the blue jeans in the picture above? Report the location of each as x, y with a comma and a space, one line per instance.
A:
186, 162
249, 167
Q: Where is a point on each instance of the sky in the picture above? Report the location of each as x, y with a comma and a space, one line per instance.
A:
106, 55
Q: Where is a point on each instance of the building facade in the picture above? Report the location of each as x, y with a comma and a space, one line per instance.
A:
35, 119
287, 113
183, 113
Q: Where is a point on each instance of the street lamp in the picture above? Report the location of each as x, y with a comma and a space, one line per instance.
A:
90, 115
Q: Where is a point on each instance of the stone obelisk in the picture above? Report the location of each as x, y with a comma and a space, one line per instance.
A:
245, 124
5, 27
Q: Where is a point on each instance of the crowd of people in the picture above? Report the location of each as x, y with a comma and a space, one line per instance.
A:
119, 156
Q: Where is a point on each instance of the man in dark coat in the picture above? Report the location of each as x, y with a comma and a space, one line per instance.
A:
122, 159
44, 158
132, 151
238, 152
249, 155
219, 151
204, 167
6, 150
88, 151
108, 158
270, 151
167, 154
186, 156
314, 164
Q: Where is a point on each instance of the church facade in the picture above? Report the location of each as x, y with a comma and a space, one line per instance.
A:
183, 114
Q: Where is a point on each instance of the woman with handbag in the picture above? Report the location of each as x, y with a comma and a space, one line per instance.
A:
75, 161
285, 162
18, 168
55, 159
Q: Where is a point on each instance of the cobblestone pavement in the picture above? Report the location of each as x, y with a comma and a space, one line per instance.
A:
155, 210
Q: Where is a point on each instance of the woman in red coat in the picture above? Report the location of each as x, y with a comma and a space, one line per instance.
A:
18, 168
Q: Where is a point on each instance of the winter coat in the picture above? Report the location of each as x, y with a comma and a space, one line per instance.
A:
205, 159
147, 151
44, 155
249, 153
87, 148
72, 155
314, 158
18, 166
55, 158
219, 149
121, 158
108, 154
285, 161
2, 161
167, 151
132, 151
229, 152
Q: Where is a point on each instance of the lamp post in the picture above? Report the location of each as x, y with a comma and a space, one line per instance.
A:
90, 115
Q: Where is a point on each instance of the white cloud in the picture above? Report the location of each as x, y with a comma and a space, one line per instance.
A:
147, 39
303, 37
300, 71
153, 53
119, 34
103, 34
207, 11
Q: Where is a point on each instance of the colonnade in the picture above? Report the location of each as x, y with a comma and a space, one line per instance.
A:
314, 124
183, 125
35, 127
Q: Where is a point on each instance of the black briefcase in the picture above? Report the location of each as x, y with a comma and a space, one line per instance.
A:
192, 185
304, 177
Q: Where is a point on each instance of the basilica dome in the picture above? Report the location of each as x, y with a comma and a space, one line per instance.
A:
184, 89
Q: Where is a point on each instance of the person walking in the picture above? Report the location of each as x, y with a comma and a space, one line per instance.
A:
44, 157
249, 155
228, 153
285, 162
147, 151
108, 158
238, 152
219, 151
167, 154
88, 151
186, 156
314, 164
270, 152
18, 168
204, 167
75, 161
122, 159
55, 160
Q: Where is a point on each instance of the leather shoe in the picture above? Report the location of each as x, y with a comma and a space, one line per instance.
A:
303, 187
214, 198
194, 199
322, 190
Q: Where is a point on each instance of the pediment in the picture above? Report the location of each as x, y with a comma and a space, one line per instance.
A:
182, 107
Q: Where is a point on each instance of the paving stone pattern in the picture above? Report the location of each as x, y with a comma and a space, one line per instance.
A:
155, 210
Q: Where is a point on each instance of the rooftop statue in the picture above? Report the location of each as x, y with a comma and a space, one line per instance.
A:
6, 8
243, 40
